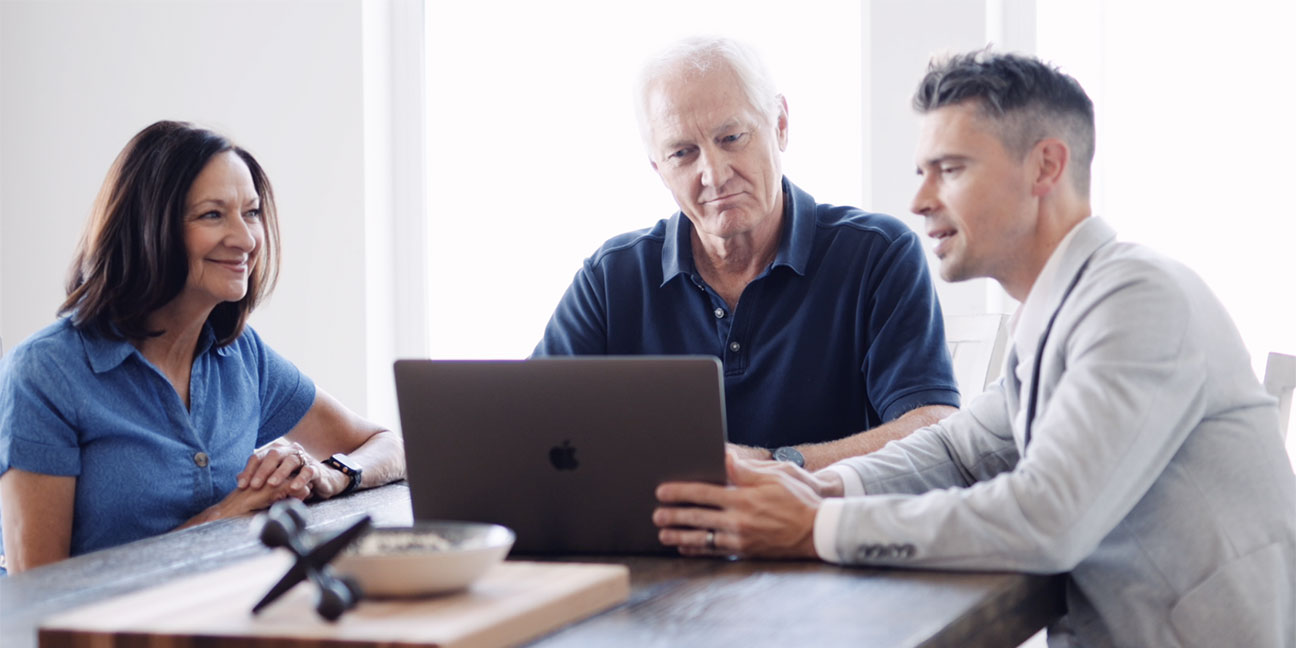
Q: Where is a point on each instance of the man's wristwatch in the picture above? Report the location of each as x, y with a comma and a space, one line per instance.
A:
346, 466
790, 455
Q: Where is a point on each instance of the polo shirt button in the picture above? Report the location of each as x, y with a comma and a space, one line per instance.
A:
201, 459
719, 313
734, 346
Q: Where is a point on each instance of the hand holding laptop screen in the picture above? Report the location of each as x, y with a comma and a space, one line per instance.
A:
771, 515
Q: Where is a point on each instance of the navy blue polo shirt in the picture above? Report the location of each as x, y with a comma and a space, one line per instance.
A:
841, 333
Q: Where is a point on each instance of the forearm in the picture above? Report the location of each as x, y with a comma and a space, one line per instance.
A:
37, 526
820, 455
241, 501
330, 428
212, 513
382, 458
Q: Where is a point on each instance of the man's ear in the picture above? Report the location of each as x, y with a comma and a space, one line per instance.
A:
1050, 160
781, 124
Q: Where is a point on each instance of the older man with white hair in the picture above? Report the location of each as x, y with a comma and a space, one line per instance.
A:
824, 316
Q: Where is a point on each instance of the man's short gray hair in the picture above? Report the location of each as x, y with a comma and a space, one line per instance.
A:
696, 56
1025, 98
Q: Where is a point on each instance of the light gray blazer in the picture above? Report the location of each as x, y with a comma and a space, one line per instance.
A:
1155, 474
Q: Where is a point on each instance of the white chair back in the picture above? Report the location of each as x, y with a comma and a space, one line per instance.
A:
1279, 380
977, 344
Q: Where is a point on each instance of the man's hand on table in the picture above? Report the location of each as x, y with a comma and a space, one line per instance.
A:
768, 510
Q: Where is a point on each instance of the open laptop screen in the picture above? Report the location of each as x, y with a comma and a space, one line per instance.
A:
565, 451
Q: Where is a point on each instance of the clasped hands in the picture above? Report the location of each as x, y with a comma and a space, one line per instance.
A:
278, 470
767, 510
286, 467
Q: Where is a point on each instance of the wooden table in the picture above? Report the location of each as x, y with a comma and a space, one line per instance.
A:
673, 601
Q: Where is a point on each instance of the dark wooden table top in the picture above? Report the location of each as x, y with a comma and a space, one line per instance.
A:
673, 602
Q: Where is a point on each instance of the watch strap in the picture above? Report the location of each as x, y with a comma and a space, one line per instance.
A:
343, 464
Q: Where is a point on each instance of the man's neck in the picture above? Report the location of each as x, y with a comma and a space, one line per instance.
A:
1052, 230
728, 264
739, 256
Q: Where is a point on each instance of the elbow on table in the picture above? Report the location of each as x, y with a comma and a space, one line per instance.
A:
1053, 561
1056, 553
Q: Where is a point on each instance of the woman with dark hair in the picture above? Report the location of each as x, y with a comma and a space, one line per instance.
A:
150, 405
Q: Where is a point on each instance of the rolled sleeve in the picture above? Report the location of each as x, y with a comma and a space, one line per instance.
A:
37, 433
37, 457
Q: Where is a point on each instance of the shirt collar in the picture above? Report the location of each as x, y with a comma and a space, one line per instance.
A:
106, 353
677, 248
1046, 294
799, 231
796, 241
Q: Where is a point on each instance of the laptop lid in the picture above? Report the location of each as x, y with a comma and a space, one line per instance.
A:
565, 451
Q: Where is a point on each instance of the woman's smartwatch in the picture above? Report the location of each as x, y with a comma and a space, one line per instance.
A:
346, 466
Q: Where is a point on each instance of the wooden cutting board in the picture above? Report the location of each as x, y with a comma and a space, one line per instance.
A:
511, 604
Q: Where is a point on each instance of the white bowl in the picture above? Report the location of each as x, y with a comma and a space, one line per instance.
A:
427, 558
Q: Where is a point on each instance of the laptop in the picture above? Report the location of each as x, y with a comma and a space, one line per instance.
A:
565, 451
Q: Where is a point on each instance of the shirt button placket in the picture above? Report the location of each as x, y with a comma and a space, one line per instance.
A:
733, 358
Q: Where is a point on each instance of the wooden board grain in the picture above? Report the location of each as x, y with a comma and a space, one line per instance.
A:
513, 603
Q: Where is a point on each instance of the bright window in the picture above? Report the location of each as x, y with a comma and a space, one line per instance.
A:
534, 154
1195, 130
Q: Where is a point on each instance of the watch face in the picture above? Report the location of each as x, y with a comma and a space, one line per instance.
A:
343, 463
791, 455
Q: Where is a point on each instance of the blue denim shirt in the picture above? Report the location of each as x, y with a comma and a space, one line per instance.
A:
841, 333
78, 404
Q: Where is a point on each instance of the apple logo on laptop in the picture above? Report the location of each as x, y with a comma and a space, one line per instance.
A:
563, 457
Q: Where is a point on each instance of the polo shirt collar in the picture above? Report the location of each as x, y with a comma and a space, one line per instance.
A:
677, 248
105, 353
796, 241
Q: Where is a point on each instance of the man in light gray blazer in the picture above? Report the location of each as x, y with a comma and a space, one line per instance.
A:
1128, 442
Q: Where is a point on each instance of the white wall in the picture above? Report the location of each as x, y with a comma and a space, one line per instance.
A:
285, 79
1194, 130
900, 37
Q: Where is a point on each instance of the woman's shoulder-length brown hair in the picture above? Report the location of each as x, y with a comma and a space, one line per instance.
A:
132, 260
